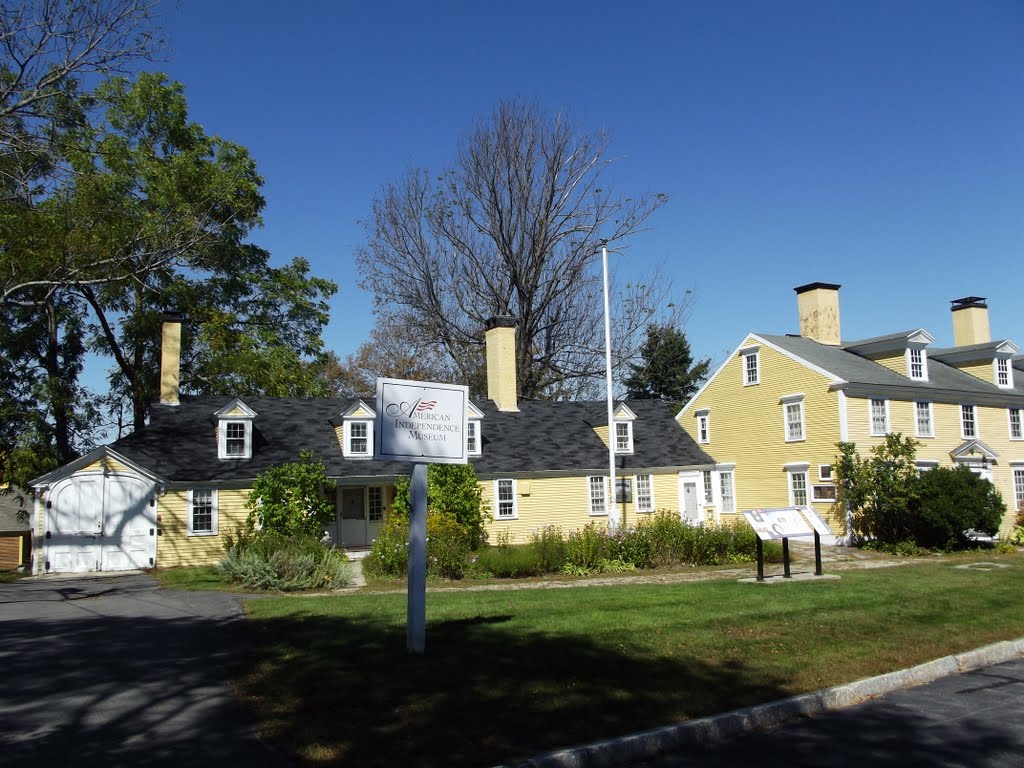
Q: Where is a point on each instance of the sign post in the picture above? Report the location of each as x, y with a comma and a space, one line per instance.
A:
783, 523
424, 423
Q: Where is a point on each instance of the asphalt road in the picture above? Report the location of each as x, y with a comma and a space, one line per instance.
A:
971, 720
111, 671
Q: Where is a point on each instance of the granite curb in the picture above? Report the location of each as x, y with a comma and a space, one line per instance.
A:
717, 728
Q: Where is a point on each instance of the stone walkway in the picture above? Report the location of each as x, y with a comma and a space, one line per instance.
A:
834, 559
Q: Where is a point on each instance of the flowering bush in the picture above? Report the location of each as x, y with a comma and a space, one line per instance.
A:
447, 547
289, 498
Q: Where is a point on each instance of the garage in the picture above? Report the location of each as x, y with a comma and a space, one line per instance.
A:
99, 521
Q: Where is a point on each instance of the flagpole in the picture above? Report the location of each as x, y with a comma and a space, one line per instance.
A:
613, 512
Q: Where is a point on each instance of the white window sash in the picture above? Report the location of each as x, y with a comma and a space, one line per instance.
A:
597, 493
191, 504
644, 493
510, 502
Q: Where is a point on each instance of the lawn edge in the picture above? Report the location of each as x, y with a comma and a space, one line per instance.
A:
728, 725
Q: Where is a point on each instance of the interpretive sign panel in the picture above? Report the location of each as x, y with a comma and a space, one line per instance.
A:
421, 422
817, 521
778, 523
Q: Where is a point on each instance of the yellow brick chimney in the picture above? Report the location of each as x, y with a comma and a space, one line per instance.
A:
818, 304
500, 337
970, 321
170, 359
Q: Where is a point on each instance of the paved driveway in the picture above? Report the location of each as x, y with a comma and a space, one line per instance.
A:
112, 671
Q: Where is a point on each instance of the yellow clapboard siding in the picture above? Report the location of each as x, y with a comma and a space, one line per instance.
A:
175, 547
747, 427
895, 362
564, 502
984, 371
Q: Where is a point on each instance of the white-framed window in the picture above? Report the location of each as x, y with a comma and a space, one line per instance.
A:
358, 438
917, 364
202, 512
826, 473
505, 504
1018, 486
823, 492
879, 417
1004, 373
968, 421
725, 480
751, 366
797, 485
644, 493
623, 436
235, 439
925, 465
598, 485
374, 503
1016, 429
704, 426
793, 417
923, 424
708, 487
473, 437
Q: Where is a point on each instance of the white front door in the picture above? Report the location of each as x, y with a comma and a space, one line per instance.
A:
353, 518
128, 539
691, 508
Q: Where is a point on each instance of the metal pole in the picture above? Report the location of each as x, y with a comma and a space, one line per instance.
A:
416, 614
785, 558
817, 554
613, 512
760, 560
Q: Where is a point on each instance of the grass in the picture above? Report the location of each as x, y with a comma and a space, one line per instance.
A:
203, 578
7, 576
516, 672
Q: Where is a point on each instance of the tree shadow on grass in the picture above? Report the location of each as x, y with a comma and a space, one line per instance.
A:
343, 690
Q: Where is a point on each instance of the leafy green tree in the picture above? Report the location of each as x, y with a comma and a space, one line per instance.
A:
879, 493
452, 489
289, 498
666, 369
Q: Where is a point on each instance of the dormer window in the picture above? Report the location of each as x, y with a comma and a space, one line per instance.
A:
1004, 373
623, 432
474, 443
234, 430
917, 364
357, 431
236, 439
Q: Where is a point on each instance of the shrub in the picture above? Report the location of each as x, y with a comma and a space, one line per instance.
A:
549, 546
953, 501
270, 560
510, 562
452, 489
583, 548
447, 547
289, 498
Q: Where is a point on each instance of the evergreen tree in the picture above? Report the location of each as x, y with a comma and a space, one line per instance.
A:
666, 370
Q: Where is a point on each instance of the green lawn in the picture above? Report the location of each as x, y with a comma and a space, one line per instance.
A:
512, 673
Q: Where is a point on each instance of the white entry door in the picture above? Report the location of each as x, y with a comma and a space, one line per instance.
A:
691, 508
353, 518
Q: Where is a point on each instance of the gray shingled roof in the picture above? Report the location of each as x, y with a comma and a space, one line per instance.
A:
11, 503
180, 444
943, 380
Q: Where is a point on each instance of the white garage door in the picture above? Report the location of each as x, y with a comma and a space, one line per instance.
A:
100, 523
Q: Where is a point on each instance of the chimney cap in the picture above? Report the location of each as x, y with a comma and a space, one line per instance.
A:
813, 286
172, 317
500, 321
969, 301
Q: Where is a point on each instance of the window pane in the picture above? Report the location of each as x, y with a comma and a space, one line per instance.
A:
728, 503
1018, 487
358, 437
707, 487
799, 480
750, 368
924, 419
916, 364
644, 499
471, 437
1016, 430
622, 437
506, 499
967, 418
234, 442
597, 495
375, 498
202, 510
879, 422
794, 421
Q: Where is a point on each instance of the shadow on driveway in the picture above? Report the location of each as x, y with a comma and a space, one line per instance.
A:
112, 671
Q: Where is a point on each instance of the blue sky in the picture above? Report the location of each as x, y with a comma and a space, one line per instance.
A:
879, 145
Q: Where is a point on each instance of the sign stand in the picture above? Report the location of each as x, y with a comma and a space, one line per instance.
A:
781, 524
423, 423
416, 612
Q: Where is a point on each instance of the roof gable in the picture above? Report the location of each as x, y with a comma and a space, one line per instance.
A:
236, 409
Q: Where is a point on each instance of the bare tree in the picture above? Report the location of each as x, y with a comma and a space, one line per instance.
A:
48, 44
514, 228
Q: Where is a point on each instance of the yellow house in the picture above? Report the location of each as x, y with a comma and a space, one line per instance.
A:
170, 493
773, 412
